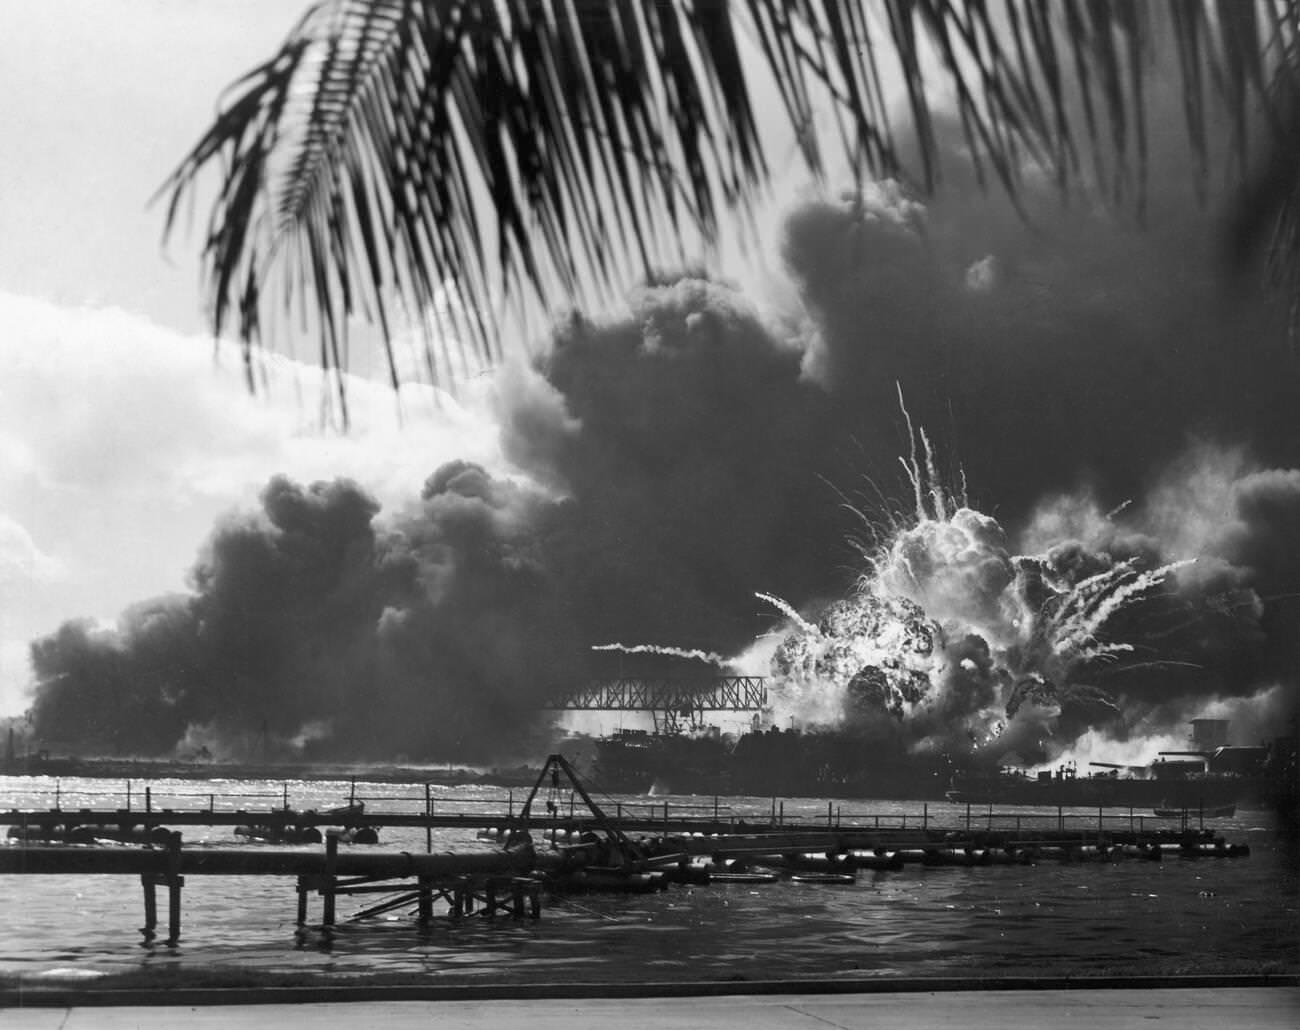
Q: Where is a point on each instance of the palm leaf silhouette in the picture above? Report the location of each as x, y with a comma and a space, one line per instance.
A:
422, 161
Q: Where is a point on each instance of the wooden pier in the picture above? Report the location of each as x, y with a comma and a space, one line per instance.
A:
498, 881
583, 848
633, 817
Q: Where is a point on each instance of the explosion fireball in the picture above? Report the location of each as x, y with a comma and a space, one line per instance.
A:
957, 639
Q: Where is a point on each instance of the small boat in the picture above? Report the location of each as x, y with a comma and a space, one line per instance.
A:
874, 860
743, 877
345, 812
1215, 812
280, 834
611, 880
825, 878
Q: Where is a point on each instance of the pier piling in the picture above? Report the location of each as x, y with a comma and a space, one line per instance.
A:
331, 876
175, 881
147, 884
425, 916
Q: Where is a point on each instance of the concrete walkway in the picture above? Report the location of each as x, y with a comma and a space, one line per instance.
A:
1257, 1008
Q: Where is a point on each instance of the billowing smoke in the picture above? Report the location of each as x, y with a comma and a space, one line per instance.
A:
670, 462
315, 629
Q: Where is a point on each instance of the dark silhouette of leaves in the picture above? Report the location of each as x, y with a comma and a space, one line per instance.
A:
422, 161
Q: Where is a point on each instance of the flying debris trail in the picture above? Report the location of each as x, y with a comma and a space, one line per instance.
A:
785, 609
925, 478
950, 640
668, 652
1084, 611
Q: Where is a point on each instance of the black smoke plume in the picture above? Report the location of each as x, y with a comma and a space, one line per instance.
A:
670, 462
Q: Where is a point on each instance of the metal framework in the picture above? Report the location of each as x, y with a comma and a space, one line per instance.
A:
669, 699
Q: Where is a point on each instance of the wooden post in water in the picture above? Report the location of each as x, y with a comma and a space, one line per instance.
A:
128, 795
967, 816
174, 884
426, 900
148, 799
331, 874
925, 816
302, 900
428, 827
147, 883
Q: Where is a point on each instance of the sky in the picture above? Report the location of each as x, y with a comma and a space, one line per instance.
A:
654, 469
124, 433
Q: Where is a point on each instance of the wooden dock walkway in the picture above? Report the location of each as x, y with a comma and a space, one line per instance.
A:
864, 829
496, 881
583, 848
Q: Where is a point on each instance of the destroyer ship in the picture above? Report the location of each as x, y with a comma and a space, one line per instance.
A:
1211, 775
766, 763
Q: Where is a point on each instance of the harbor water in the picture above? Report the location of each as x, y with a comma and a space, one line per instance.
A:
1180, 916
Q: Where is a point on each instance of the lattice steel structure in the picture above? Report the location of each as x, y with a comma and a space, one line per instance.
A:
669, 700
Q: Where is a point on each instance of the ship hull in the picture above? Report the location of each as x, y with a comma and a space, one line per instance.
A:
766, 764
1098, 792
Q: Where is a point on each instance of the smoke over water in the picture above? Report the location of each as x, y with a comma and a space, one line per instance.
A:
669, 462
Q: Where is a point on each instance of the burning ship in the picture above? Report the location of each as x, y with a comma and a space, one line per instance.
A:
952, 650
765, 763
1210, 776
684, 756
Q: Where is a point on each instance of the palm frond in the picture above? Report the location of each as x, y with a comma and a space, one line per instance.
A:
429, 158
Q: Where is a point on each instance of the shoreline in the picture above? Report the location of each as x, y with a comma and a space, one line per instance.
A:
146, 769
25, 996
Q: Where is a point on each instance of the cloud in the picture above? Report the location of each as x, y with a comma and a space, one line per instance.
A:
124, 442
21, 561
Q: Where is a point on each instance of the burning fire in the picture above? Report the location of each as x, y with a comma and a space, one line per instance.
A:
955, 638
